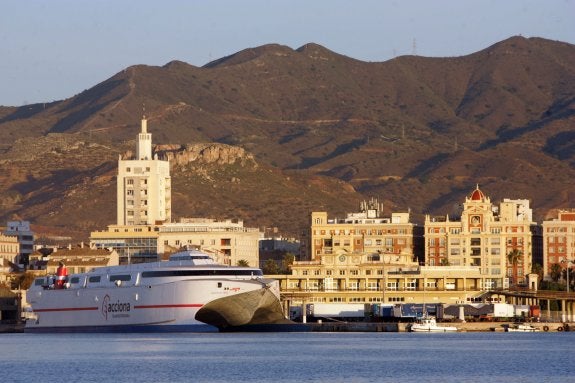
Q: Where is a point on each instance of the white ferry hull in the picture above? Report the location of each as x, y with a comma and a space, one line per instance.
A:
157, 307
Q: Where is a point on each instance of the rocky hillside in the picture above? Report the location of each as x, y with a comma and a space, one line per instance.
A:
305, 129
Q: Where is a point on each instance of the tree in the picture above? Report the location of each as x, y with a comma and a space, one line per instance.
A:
270, 267
287, 263
555, 272
513, 259
537, 269
243, 263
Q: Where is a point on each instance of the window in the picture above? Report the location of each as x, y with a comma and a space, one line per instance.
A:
373, 286
120, 277
354, 272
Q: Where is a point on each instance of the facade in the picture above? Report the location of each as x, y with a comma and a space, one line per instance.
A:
559, 242
79, 259
376, 278
228, 241
9, 249
497, 240
366, 231
21, 230
144, 186
368, 258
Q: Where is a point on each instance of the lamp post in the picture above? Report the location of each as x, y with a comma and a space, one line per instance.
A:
567, 262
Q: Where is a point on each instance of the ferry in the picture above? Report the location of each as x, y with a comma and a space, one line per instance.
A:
189, 292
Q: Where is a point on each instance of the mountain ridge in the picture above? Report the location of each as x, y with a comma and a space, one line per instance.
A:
417, 132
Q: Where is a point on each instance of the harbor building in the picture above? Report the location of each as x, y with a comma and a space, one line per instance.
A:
362, 277
144, 185
559, 243
21, 230
368, 258
496, 239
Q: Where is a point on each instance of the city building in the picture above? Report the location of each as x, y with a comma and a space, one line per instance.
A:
369, 258
559, 243
22, 231
496, 239
9, 249
378, 278
78, 259
143, 186
366, 231
227, 240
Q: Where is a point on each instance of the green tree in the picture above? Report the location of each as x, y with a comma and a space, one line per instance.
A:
537, 269
555, 272
23, 281
270, 267
287, 263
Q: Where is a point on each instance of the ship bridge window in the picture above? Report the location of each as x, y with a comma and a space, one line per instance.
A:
190, 273
120, 277
94, 279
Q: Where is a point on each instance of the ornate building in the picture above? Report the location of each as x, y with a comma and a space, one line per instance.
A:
498, 240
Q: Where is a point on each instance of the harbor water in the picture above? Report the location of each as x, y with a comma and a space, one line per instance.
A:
289, 357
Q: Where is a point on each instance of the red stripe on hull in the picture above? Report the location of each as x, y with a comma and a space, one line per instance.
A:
168, 306
66, 309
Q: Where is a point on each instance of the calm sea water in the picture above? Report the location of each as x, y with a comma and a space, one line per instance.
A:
289, 357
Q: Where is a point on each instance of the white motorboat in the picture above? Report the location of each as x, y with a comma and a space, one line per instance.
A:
190, 292
521, 327
429, 324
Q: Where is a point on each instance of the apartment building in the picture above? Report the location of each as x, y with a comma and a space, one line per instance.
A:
496, 239
559, 242
366, 231
144, 185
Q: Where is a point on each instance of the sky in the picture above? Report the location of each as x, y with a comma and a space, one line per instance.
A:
54, 49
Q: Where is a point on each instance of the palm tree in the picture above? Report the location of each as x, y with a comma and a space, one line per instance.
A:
537, 269
243, 263
513, 258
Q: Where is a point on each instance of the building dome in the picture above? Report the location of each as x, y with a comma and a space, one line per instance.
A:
477, 195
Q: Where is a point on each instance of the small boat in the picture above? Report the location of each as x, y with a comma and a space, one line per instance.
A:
429, 324
521, 327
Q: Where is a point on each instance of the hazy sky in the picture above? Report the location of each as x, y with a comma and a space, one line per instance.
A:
54, 49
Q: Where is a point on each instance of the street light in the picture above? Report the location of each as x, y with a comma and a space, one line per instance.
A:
567, 261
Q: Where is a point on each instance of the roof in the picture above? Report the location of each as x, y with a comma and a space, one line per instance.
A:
477, 195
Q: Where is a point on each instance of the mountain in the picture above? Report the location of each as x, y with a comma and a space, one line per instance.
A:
325, 131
